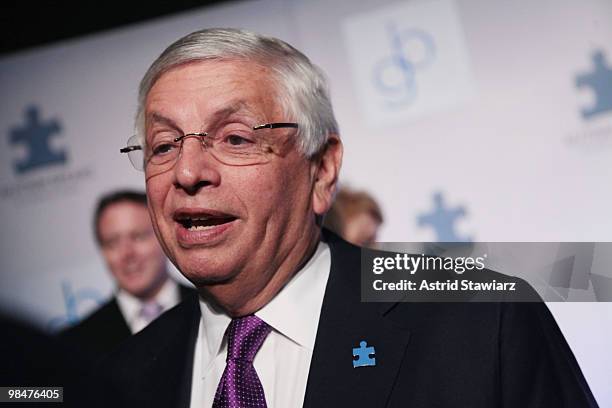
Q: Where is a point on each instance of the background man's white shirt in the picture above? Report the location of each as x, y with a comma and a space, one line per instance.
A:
283, 361
130, 306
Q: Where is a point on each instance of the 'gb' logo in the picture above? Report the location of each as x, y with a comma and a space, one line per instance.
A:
395, 75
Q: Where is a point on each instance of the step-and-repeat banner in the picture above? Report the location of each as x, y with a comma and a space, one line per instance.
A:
468, 120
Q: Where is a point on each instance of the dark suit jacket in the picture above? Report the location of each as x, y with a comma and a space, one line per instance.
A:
105, 329
427, 354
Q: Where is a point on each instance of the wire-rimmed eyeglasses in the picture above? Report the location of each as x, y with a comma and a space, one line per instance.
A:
233, 144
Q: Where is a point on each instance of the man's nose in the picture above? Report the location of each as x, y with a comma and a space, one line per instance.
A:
127, 249
195, 167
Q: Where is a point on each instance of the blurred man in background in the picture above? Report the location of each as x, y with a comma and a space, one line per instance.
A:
355, 216
124, 233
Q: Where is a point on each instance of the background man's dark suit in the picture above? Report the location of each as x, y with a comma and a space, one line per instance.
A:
427, 354
106, 328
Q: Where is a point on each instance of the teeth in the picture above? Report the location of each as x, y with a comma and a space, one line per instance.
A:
195, 219
200, 227
200, 223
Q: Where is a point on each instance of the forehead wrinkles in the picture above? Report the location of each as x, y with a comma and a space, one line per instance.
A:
212, 86
234, 108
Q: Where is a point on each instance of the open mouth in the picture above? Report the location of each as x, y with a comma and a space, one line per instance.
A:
203, 222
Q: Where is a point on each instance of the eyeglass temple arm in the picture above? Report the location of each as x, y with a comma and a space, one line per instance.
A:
275, 126
130, 149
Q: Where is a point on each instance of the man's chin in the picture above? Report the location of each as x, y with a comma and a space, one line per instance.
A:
203, 279
136, 291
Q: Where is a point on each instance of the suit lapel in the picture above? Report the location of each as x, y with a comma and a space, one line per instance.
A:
344, 323
119, 326
186, 292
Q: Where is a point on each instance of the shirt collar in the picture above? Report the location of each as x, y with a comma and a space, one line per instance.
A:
130, 305
294, 312
212, 326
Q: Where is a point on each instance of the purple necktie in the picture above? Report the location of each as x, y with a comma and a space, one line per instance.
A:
150, 310
240, 386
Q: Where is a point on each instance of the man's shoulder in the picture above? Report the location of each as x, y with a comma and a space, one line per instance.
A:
510, 349
347, 260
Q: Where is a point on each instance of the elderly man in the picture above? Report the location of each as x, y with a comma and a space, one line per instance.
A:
241, 155
137, 263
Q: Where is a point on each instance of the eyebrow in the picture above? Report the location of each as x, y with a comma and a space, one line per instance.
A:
222, 113
156, 117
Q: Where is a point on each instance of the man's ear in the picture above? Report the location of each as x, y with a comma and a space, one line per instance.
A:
327, 169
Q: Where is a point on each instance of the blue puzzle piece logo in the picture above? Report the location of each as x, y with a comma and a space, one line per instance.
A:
442, 220
35, 135
600, 81
363, 356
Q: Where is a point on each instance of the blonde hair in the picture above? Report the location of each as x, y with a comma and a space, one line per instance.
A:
346, 205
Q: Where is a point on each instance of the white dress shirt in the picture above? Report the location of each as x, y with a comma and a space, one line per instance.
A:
283, 361
130, 306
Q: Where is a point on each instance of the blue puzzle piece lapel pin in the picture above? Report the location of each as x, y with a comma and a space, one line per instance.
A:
363, 355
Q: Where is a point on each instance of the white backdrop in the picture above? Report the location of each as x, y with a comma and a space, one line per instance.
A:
501, 110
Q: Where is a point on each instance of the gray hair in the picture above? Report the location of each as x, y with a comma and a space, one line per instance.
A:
302, 85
